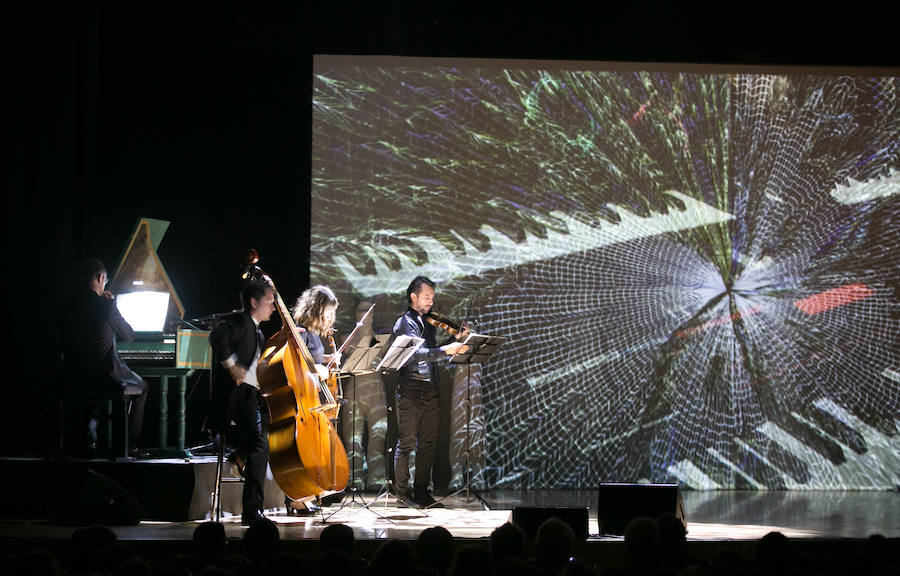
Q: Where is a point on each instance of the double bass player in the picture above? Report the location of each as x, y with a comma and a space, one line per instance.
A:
237, 344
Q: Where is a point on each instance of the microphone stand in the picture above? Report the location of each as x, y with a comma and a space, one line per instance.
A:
480, 348
359, 361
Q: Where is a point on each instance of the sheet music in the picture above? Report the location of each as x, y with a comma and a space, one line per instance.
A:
400, 352
479, 348
473, 336
361, 359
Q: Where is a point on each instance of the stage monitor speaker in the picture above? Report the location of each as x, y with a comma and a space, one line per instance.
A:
92, 498
619, 504
530, 519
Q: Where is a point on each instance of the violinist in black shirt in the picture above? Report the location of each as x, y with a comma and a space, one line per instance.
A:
418, 394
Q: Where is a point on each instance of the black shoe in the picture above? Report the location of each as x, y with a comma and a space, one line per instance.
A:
248, 519
407, 499
138, 454
425, 500
300, 508
301, 511
90, 450
135, 451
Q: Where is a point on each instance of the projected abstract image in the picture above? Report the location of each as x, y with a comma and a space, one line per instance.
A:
696, 271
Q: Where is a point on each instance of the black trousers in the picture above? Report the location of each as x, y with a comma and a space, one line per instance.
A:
417, 427
250, 439
134, 389
136, 396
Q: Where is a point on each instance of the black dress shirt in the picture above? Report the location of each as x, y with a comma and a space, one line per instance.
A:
237, 336
419, 369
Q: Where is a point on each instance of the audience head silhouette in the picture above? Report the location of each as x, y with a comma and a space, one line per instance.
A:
507, 541
435, 548
471, 560
261, 540
642, 542
337, 537
394, 555
554, 542
209, 538
774, 553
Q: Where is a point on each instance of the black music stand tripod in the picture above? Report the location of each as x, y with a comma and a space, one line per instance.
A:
359, 361
402, 348
480, 347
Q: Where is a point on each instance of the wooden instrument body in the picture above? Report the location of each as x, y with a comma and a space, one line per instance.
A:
306, 455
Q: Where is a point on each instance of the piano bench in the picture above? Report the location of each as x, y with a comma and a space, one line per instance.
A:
110, 409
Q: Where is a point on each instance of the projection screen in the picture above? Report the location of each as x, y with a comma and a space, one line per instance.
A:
695, 267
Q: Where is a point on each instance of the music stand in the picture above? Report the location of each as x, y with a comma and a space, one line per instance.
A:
402, 348
480, 348
361, 358
359, 361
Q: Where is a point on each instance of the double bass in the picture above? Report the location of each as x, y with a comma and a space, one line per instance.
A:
306, 455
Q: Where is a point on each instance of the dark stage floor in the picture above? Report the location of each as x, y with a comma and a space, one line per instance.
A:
175, 494
710, 517
54, 496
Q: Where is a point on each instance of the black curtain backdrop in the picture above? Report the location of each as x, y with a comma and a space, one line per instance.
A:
199, 113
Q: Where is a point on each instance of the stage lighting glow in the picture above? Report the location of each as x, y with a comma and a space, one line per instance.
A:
145, 311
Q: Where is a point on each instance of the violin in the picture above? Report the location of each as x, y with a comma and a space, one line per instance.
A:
329, 334
444, 323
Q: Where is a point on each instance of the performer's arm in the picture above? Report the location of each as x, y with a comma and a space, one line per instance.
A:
314, 345
459, 337
120, 325
220, 341
423, 354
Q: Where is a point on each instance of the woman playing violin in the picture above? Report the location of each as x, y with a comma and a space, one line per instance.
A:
314, 313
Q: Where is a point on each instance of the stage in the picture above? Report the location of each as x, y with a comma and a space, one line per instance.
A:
720, 516
155, 505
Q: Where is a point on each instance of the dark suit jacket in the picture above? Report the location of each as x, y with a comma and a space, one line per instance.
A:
90, 328
237, 334
417, 377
